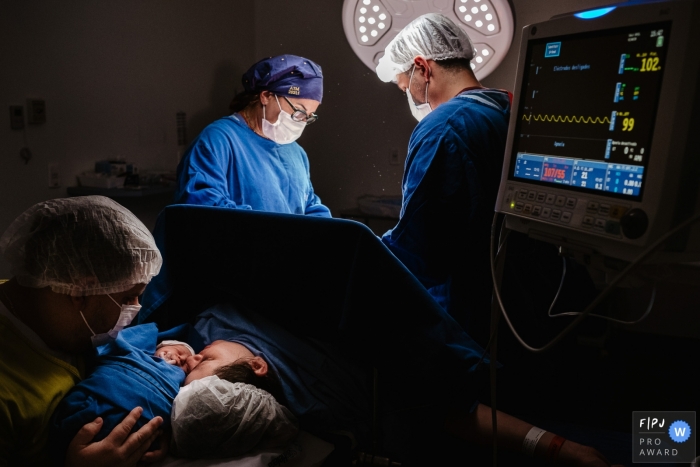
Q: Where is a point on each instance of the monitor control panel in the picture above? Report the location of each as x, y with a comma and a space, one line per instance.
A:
570, 211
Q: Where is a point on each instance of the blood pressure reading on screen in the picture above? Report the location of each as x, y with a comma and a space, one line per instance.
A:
587, 109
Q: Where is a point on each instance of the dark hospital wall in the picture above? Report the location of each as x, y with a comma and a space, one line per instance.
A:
113, 74
363, 119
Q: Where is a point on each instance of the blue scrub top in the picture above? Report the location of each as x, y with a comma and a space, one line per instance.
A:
229, 165
450, 183
323, 389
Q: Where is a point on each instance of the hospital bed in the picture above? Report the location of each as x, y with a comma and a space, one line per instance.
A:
326, 279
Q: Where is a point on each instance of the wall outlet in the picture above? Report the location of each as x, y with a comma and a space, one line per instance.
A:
394, 159
16, 117
36, 111
54, 176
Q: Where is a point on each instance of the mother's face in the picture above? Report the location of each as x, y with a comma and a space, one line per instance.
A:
214, 356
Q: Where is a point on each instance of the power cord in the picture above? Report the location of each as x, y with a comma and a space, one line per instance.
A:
594, 315
629, 268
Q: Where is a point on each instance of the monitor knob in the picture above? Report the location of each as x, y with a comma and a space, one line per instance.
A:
634, 223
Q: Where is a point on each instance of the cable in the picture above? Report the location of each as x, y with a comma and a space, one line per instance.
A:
647, 252
576, 313
614, 320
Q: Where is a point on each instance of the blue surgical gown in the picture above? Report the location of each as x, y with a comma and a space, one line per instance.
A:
450, 183
229, 165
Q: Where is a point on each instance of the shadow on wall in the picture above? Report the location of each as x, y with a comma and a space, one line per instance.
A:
227, 83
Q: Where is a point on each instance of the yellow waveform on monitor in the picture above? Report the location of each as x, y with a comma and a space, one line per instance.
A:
565, 119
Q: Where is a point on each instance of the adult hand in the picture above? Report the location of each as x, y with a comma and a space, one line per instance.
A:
151, 457
119, 448
577, 455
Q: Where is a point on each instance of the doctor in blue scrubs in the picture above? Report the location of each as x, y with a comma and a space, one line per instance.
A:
250, 160
453, 167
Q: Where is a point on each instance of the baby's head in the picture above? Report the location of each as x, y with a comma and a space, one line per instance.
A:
175, 353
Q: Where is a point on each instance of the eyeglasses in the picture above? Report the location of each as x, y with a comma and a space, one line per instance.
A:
300, 115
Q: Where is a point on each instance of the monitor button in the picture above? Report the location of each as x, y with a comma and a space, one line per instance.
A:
546, 212
509, 198
541, 197
537, 210
566, 217
518, 206
531, 196
587, 222
556, 214
570, 203
599, 224
592, 207
612, 227
616, 212
560, 201
527, 209
604, 209
522, 194
550, 199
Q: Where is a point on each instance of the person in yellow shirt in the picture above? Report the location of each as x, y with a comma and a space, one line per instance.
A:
78, 266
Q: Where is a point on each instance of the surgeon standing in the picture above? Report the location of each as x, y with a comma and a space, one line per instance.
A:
453, 167
250, 159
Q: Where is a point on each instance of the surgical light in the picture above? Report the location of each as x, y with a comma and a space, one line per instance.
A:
489, 24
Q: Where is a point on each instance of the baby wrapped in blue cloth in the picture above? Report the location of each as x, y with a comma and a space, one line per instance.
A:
127, 374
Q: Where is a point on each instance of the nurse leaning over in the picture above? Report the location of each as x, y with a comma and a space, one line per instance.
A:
79, 266
250, 159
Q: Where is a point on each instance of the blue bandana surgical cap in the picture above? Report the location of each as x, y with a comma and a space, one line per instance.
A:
287, 75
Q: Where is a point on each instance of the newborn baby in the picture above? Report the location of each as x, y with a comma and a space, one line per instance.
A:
130, 371
175, 353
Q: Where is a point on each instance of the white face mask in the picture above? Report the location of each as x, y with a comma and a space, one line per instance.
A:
285, 130
127, 314
418, 111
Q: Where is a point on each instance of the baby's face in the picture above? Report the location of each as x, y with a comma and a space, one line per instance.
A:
175, 355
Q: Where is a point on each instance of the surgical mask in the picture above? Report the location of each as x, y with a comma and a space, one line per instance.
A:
126, 316
418, 111
285, 130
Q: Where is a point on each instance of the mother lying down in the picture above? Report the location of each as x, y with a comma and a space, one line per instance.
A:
72, 260
211, 417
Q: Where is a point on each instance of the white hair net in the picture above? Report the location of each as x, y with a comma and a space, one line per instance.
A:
432, 36
87, 245
215, 418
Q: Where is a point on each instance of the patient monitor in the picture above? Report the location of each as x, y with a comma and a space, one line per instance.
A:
602, 154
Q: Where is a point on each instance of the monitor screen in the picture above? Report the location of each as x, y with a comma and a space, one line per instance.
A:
587, 110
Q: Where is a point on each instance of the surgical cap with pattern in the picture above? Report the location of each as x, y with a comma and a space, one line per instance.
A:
88, 245
431, 36
215, 418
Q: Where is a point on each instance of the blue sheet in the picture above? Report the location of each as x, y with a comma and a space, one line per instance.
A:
126, 375
450, 183
229, 165
323, 389
321, 280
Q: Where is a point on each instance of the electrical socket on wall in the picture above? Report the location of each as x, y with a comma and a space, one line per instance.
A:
54, 176
16, 117
394, 159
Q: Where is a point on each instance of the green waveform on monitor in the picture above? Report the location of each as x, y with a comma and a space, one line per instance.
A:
566, 119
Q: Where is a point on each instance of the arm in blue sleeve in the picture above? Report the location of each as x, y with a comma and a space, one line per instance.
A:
315, 208
202, 177
421, 237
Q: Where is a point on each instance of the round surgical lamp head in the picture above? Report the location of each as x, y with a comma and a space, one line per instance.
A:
371, 24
